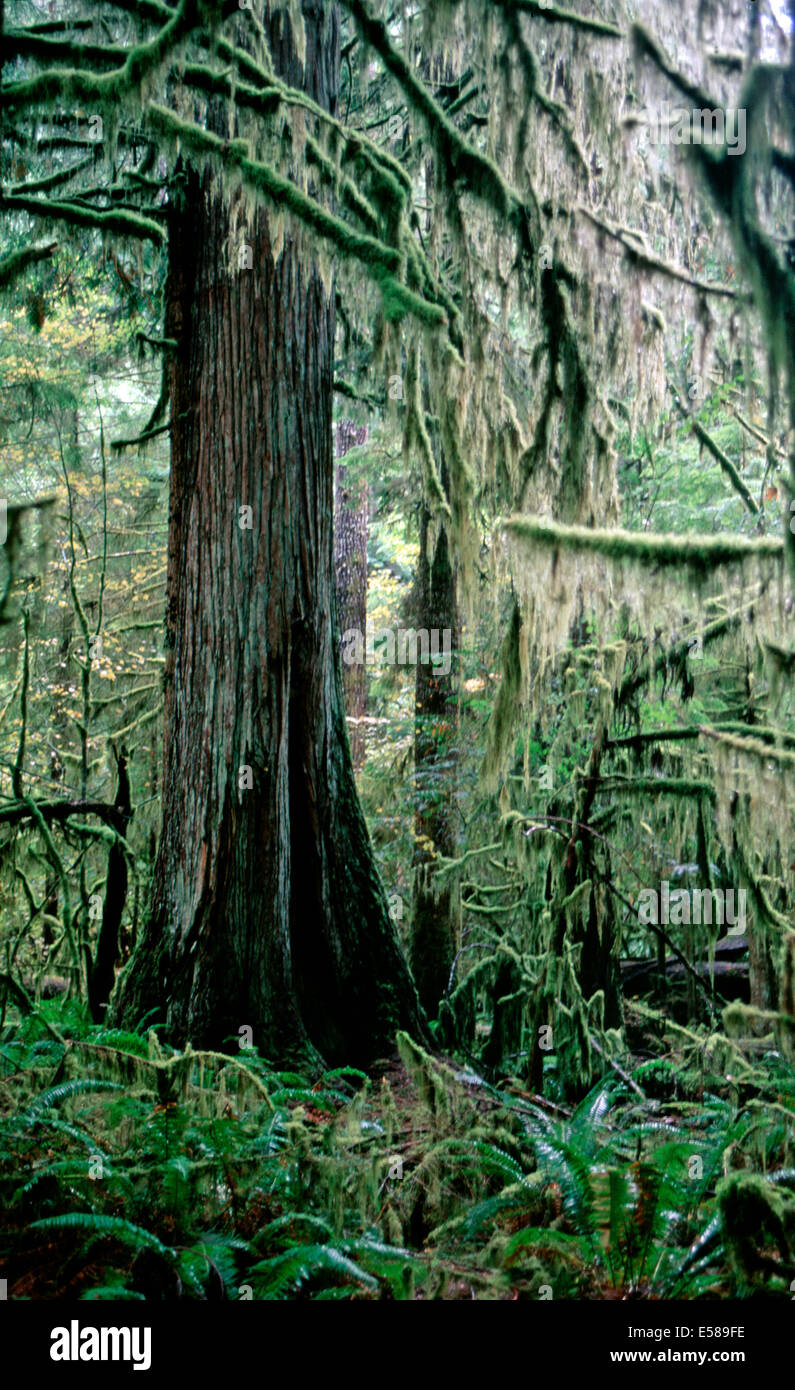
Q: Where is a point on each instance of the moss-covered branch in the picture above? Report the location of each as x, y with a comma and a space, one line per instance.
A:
389, 184
161, 344
761, 733
82, 85
13, 265
697, 552
638, 254
759, 435
464, 165
270, 86
119, 445
345, 388
382, 262
646, 46
745, 744
24, 43
50, 181
686, 787
58, 812
125, 223
705, 438
555, 14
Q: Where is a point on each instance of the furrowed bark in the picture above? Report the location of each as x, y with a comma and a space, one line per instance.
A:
267, 907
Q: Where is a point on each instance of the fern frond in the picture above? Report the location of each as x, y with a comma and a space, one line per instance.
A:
303, 1263
112, 1293
98, 1227
65, 1091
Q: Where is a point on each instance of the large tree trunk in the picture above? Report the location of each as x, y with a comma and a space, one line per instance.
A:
267, 906
436, 911
350, 565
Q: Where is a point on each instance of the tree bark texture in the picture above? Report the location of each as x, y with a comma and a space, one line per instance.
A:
267, 908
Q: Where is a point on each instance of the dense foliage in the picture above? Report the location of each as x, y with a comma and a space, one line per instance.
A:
564, 354
130, 1171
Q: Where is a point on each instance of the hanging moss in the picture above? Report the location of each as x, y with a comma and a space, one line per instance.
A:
465, 165
381, 261
661, 786
431, 1079
417, 435
753, 746
508, 704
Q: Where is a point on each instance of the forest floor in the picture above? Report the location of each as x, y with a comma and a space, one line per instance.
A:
131, 1171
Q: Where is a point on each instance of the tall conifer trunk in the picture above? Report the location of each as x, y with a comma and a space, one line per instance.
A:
267, 907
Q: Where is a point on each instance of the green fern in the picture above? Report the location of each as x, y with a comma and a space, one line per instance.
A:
98, 1227
112, 1293
303, 1264
65, 1091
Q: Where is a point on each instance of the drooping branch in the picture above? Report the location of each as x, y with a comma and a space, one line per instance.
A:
726, 464
554, 14
639, 254
13, 265
465, 166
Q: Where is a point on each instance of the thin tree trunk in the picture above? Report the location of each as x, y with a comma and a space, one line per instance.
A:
350, 565
267, 909
106, 953
436, 910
